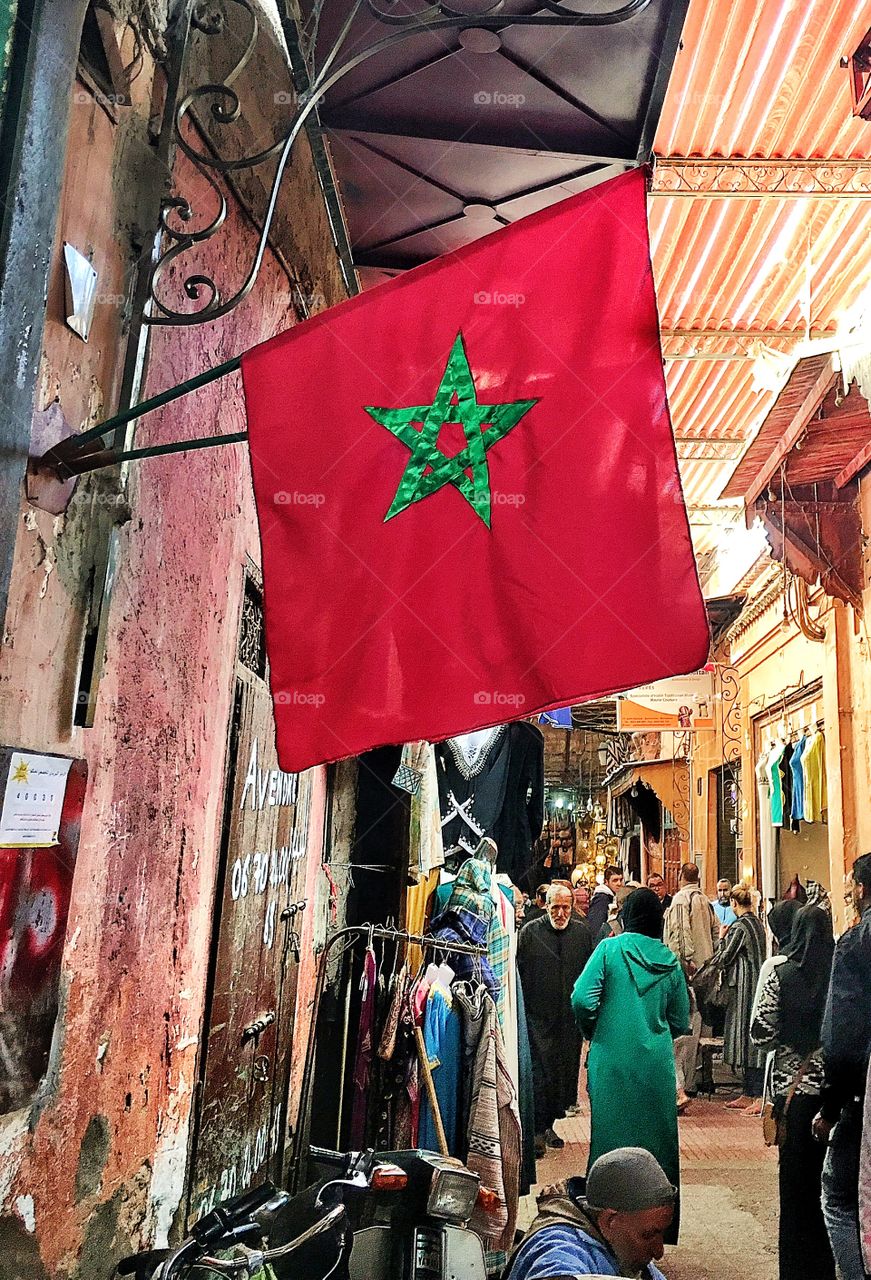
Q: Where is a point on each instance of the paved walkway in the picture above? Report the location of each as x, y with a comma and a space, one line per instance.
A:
728, 1193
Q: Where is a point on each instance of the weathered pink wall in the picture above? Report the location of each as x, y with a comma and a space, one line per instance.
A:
97, 1167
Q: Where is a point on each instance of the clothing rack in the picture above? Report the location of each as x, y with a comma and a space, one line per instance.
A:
354, 931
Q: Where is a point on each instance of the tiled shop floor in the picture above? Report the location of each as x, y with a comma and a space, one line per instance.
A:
728, 1192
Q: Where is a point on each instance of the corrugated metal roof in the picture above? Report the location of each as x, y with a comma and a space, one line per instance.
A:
755, 78
761, 78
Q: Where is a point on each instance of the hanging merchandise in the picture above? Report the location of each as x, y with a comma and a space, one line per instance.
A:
560, 840
784, 766
494, 1137
441, 1038
476, 894
491, 783
472, 773
494, 1134
471, 891
767, 838
795, 764
365, 1050
621, 816
417, 773
813, 764
775, 780
431, 1064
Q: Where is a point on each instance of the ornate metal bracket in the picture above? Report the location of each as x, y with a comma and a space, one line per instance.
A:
224, 108
728, 694
680, 779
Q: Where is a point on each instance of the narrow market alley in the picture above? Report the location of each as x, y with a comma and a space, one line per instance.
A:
728, 1192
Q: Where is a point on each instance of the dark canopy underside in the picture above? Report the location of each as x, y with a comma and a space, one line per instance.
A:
450, 134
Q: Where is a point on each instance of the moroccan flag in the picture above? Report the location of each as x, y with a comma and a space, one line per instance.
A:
467, 490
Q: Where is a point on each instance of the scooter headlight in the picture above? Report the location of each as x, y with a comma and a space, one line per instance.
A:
452, 1194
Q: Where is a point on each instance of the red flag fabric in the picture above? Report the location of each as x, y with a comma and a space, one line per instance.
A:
467, 489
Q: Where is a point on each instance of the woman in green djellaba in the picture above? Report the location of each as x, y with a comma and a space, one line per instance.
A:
631, 1002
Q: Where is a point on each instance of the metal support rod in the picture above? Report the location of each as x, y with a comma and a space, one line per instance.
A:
111, 457
61, 457
158, 401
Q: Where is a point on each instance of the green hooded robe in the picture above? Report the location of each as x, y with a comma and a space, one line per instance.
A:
631, 1001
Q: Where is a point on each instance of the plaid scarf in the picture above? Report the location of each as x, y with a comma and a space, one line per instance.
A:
471, 891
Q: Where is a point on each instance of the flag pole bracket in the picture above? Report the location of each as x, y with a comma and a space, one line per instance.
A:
61, 455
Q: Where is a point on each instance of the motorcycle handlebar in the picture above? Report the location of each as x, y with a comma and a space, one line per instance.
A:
231, 1213
249, 1202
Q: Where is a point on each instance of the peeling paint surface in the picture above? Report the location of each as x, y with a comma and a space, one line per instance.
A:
128, 1043
25, 1211
167, 1186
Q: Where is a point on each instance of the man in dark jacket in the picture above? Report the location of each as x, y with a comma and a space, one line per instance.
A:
846, 1036
551, 954
603, 896
657, 884
538, 908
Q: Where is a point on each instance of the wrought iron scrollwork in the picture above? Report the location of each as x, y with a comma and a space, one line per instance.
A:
177, 240
224, 109
680, 778
729, 701
728, 698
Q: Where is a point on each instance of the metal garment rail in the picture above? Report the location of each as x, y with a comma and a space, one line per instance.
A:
369, 931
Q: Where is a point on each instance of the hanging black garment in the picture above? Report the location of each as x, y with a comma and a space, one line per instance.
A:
519, 824
471, 796
500, 795
786, 782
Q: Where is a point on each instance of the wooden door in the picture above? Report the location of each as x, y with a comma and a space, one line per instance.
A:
240, 1124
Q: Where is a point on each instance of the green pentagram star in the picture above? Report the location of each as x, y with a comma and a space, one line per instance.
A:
456, 401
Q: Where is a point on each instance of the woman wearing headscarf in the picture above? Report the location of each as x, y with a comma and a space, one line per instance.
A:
780, 921
740, 957
788, 1020
631, 1002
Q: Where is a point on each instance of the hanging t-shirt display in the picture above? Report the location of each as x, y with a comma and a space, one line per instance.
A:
775, 780
797, 807
813, 763
786, 782
766, 830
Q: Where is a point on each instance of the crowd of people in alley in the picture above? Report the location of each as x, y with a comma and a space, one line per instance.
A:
647, 981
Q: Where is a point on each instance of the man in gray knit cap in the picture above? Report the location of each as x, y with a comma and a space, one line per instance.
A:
613, 1227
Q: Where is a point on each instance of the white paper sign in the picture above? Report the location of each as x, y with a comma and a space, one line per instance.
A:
33, 800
